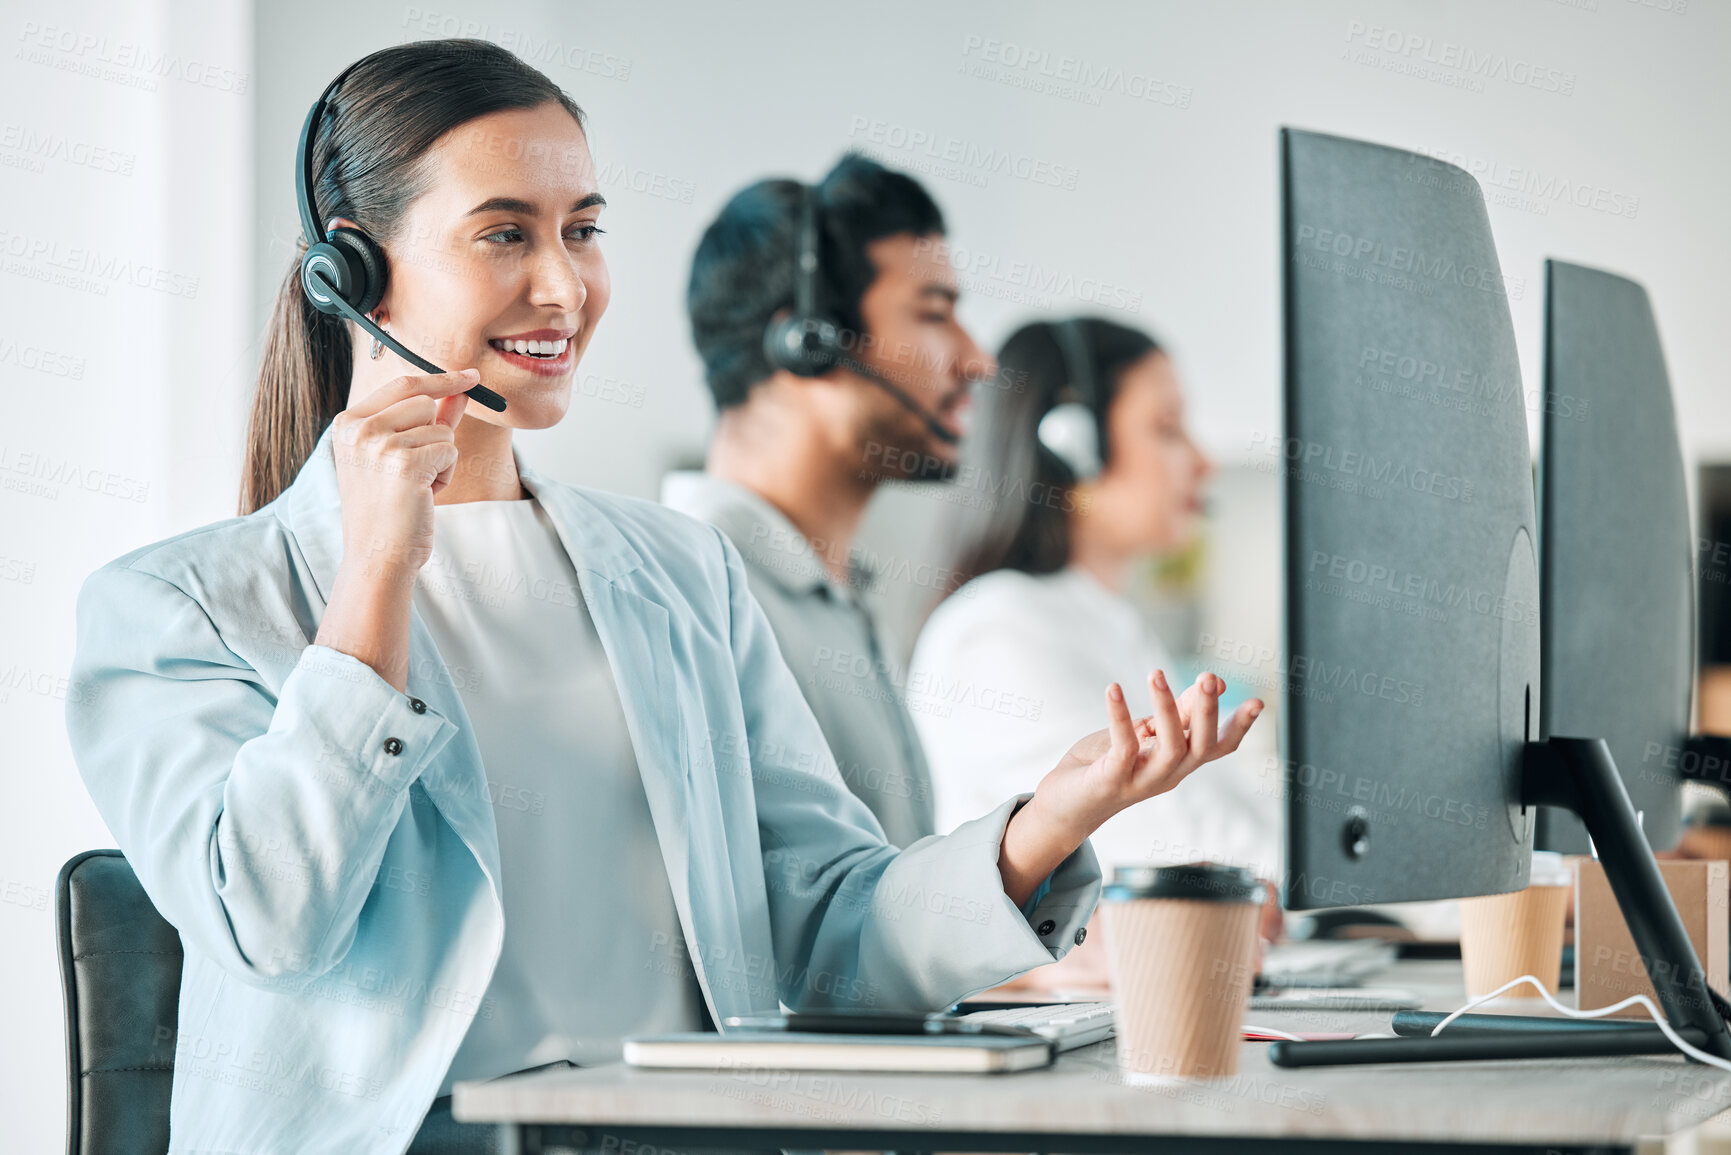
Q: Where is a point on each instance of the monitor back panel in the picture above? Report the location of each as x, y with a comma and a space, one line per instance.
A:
1615, 549
1411, 664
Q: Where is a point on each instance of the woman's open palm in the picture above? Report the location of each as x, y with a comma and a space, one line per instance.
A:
1134, 759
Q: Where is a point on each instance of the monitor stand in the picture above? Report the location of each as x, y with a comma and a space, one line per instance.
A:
1578, 775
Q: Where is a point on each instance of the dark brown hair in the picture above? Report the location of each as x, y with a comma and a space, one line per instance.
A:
368, 165
1025, 524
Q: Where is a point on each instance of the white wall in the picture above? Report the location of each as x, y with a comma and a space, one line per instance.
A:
1172, 209
125, 274
1169, 219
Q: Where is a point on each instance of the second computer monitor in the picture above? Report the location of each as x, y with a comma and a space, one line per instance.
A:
1412, 648
1616, 560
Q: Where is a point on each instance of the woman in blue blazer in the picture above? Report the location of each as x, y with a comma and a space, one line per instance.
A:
269, 729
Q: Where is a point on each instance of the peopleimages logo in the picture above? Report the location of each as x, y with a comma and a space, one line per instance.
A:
1389, 797
981, 270
1472, 62
1353, 471
122, 61
1328, 572
1545, 187
981, 160
1009, 62
1405, 260
1303, 671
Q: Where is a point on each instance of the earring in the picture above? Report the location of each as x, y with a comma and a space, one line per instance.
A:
378, 346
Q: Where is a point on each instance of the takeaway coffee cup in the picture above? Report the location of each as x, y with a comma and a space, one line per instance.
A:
1505, 936
1182, 947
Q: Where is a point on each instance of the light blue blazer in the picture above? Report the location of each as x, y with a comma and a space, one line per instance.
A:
326, 845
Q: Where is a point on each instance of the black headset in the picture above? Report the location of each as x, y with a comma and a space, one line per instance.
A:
345, 273
1071, 429
807, 344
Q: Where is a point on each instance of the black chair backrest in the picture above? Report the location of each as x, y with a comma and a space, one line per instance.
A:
120, 971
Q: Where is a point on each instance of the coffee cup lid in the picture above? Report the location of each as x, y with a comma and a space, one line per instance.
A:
1201, 880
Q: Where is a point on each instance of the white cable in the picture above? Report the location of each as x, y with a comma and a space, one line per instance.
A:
1573, 1013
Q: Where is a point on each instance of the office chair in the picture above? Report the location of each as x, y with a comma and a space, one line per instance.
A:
120, 973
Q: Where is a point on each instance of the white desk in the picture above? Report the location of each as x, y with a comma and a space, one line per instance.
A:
1082, 1104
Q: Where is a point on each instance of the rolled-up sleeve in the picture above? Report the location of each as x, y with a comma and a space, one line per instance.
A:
857, 924
255, 820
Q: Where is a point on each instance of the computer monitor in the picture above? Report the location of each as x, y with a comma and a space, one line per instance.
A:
1414, 762
1615, 549
1411, 625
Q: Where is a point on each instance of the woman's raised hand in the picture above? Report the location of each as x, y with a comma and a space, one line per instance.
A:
395, 448
1134, 759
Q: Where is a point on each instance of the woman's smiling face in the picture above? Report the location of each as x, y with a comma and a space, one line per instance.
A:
501, 253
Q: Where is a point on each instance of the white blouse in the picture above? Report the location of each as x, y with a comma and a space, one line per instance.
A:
1012, 669
593, 949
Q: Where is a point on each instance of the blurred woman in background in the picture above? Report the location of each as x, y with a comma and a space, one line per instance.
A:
1083, 448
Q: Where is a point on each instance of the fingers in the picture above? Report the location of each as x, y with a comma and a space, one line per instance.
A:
1237, 726
1192, 694
1204, 724
1187, 703
1119, 726
1168, 726
434, 385
450, 410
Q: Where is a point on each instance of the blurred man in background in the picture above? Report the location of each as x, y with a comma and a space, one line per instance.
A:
798, 452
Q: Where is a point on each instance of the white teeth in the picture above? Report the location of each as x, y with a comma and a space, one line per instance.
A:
534, 348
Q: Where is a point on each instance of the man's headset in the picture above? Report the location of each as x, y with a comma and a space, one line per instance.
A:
345, 273
1071, 429
807, 344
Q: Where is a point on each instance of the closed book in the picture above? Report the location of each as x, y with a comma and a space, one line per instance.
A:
809, 1051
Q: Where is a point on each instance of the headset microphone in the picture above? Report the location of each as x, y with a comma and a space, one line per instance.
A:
808, 345
933, 426
345, 272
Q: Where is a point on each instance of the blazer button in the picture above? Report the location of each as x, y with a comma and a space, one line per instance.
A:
393, 745
417, 706
1081, 933
1046, 928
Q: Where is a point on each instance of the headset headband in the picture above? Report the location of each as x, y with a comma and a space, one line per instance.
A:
1078, 364
304, 177
805, 284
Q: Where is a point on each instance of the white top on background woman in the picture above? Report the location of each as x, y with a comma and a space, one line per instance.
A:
1040, 640
1092, 470
362, 794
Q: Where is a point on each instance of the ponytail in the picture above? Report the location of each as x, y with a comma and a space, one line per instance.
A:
303, 383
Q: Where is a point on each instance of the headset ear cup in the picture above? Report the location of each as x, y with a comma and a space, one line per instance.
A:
366, 262
325, 271
1072, 434
804, 346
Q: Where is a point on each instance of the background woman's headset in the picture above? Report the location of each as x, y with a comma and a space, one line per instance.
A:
345, 273
1072, 429
808, 344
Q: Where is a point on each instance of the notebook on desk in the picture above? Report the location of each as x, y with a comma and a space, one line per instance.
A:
788, 1051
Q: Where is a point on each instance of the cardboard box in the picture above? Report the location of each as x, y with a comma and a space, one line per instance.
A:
1607, 967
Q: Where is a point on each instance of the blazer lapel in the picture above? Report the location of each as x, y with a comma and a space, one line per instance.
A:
636, 633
